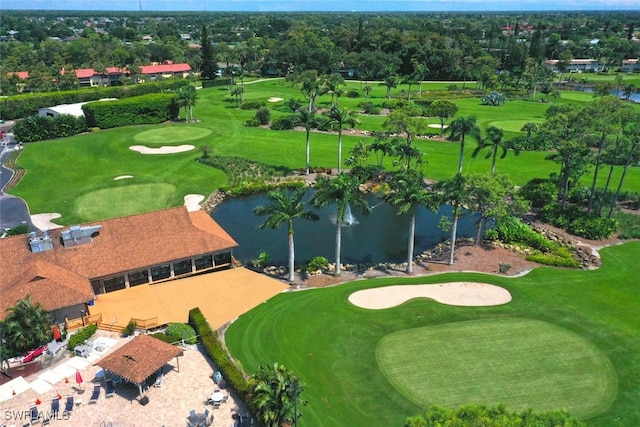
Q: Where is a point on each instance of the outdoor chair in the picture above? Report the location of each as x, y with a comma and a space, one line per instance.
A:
109, 388
68, 406
159, 380
55, 406
192, 414
34, 415
95, 395
46, 421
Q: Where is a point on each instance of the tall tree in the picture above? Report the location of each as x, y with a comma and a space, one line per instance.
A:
631, 156
26, 326
443, 110
286, 208
494, 142
306, 119
344, 192
460, 128
339, 119
407, 193
454, 192
208, 67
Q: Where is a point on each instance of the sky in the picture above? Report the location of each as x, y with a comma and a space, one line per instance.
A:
320, 5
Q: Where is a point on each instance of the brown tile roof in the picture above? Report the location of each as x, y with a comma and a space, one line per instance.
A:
123, 244
140, 358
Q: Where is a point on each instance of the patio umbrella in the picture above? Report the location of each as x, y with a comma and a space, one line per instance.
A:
78, 378
56, 333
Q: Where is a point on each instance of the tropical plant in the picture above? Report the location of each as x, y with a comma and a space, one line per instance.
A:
182, 331
407, 193
443, 110
454, 192
493, 142
344, 192
390, 81
276, 391
460, 128
339, 119
26, 326
286, 207
307, 119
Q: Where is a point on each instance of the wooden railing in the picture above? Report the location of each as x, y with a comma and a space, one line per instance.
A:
74, 324
146, 324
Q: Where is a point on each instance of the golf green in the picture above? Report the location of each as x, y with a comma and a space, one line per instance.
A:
125, 200
172, 134
512, 125
518, 362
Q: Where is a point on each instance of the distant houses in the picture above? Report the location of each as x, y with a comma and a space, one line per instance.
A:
577, 66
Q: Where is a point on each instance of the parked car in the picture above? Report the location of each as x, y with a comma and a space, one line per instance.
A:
32, 354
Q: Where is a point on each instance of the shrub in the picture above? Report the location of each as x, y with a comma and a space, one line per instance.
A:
317, 263
561, 257
283, 123
183, 332
147, 109
629, 225
263, 259
81, 336
252, 105
169, 339
576, 221
369, 108
494, 98
38, 128
512, 230
252, 122
263, 115
353, 94
540, 192
214, 347
323, 123
130, 329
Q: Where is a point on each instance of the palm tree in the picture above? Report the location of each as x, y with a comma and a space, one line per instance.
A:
366, 90
276, 390
408, 193
455, 192
189, 95
390, 81
493, 141
307, 119
339, 119
420, 72
286, 207
460, 128
237, 91
26, 326
344, 191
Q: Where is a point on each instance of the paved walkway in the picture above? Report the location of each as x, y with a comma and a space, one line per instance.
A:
182, 390
13, 210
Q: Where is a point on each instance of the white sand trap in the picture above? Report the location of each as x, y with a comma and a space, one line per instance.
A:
122, 177
171, 149
274, 99
469, 294
192, 202
43, 221
437, 126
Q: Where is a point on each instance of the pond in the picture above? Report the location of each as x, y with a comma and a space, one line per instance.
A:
380, 236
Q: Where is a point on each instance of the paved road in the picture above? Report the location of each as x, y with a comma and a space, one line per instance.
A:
13, 210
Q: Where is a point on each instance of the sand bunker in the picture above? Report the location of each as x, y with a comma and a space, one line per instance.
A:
161, 150
43, 221
122, 177
469, 294
274, 99
192, 202
437, 126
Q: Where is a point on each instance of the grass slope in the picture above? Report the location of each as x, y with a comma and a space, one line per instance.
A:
332, 345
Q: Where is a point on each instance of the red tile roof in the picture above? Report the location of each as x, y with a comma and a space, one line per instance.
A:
140, 358
122, 244
83, 73
164, 68
22, 74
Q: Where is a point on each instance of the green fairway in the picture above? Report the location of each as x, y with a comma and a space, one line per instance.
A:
171, 134
567, 334
125, 200
86, 163
521, 363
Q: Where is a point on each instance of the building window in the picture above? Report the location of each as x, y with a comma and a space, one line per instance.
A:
203, 262
97, 287
138, 277
222, 258
182, 267
114, 283
160, 272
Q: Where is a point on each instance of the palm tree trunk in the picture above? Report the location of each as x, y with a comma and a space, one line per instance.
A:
291, 258
595, 174
412, 232
479, 232
461, 158
336, 271
493, 161
340, 150
308, 151
454, 232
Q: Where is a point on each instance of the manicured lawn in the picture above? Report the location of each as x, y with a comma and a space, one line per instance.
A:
578, 324
60, 172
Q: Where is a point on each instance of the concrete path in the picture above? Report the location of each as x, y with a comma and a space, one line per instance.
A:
13, 210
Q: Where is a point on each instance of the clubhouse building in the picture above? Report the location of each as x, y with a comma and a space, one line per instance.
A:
65, 269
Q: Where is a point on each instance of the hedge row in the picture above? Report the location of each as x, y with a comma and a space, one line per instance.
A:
81, 336
147, 109
216, 350
38, 128
24, 105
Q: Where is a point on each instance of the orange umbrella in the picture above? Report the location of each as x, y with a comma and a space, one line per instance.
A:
78, 377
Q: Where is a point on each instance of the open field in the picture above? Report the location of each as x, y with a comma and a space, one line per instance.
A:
568, 339
63, 174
